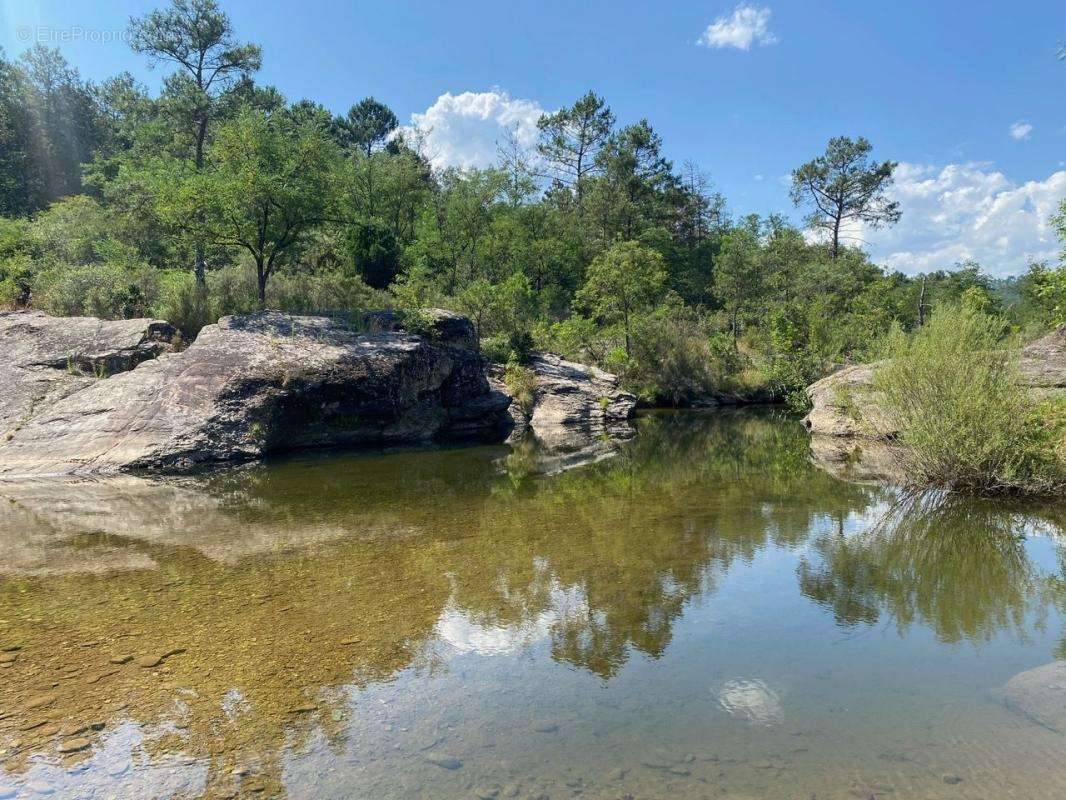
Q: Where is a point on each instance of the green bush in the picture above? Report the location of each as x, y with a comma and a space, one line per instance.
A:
182, 303
522, 384
676, 358
233, 290
110, 290
966, 422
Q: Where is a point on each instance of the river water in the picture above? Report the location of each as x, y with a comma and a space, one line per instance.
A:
699, 612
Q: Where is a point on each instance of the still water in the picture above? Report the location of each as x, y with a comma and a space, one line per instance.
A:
699, 612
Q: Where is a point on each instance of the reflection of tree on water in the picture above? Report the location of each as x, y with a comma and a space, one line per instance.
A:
639, 535
958, 565
287, 583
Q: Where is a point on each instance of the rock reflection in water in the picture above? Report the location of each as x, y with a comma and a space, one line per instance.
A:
370, 625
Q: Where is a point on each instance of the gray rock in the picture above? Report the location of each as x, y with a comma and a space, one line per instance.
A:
847, 404
1038, 694
1043, 364
43, 358
439, 325
573, 404
248, 386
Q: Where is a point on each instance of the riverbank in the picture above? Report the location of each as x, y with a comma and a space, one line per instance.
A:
955, 409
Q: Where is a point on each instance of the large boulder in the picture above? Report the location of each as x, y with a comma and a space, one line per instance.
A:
571, 404
248, 386
846, 403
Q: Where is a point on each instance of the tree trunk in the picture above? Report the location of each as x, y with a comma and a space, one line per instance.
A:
201, 260
261, 274
834, 248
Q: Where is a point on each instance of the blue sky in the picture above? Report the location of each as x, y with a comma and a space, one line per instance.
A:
746, 91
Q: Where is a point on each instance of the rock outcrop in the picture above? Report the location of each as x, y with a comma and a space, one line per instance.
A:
571, 404
247, 386
43, 358
846, 403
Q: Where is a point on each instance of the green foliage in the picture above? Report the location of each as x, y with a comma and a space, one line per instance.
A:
16, 264
110, 290
216, 196
677, 358
739, 276
623, 281
1046, 288
521, 382
842, 185
266, 182
367, 125
373, 253
966, 422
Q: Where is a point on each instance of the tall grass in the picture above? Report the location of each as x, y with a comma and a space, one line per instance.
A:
967, 423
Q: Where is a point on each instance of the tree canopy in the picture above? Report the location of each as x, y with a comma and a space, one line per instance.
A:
217, 194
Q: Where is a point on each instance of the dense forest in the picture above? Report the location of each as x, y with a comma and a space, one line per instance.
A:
219, 195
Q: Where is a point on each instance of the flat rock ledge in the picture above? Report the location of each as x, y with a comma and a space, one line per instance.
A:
572, 405
847, 404
83, 396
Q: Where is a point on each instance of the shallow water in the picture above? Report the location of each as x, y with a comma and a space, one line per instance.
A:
699, 612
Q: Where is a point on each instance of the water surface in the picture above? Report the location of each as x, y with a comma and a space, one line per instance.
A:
699, 612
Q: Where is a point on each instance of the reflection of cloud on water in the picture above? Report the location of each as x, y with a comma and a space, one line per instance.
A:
751, 701
116, 767
466, 634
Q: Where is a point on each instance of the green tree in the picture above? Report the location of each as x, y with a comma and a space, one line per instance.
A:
196, 36
571, 140
1047, 289
18, 184
843, 185
739, 276
265, 184
373, 253
623, 281
367, 125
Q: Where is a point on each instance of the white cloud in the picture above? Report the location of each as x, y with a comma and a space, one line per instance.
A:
462, 130
1020, 130
747, 25
966, 211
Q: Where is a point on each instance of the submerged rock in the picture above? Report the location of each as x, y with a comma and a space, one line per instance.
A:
751, 701
847, 404
857, 460
1039, 695
248, 386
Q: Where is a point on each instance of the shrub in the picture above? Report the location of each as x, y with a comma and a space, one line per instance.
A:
522, 384
110, 290
182, 303
675, 358
966, 422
